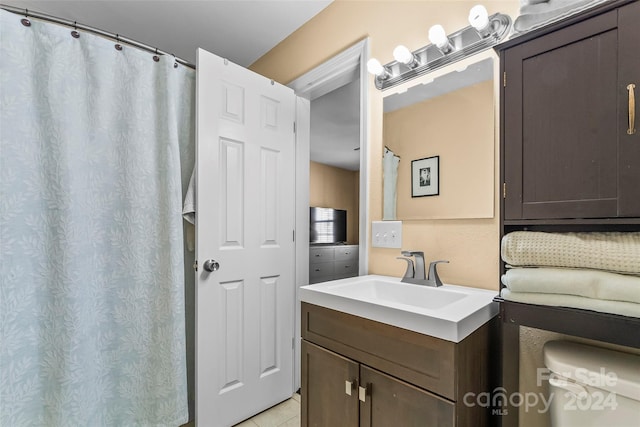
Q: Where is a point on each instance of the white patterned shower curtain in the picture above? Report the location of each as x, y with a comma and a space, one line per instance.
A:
390, 164
92, 317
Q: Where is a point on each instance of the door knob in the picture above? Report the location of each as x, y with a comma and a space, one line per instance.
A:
211, 265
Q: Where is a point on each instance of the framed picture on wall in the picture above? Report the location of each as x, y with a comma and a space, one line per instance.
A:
425, 177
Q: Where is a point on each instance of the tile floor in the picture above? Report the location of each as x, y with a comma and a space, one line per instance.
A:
286, 414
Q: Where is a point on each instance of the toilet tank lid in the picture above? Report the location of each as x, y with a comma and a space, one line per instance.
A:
610, 370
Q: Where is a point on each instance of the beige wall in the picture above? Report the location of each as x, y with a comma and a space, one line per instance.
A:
471, 246
457, 127
331, 187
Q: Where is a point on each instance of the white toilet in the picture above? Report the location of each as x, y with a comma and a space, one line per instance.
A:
591, 386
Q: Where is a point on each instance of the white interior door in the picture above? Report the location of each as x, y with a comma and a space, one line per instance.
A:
245, 222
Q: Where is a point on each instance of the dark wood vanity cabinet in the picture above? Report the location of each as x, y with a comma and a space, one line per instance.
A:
358, 372
566, 114
332, 395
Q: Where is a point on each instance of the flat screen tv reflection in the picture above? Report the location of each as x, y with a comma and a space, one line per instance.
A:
327, 226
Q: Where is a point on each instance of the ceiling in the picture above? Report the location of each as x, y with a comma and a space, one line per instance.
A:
475, 73
335, 127
239, 30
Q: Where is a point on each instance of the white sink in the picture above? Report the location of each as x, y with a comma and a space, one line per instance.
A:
448, 312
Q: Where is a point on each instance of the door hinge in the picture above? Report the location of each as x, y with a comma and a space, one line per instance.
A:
504, 79
195, 265
294, 235
294, 127
504, 190
293, 343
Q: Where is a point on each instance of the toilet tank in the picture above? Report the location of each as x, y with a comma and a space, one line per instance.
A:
592, 386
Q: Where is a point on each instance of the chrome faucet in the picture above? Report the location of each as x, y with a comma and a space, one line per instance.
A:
434, 279
417, 275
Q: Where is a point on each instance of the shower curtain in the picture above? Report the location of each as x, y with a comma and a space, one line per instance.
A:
92, 318
390, 184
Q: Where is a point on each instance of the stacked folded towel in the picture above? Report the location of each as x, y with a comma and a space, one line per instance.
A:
538, 13
593, 271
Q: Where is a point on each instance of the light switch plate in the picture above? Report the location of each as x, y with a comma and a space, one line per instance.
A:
386, 234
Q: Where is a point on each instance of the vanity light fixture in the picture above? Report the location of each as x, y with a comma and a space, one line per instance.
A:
483, 33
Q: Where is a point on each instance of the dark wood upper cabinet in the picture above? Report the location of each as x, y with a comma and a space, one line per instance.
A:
629, 73
567, 152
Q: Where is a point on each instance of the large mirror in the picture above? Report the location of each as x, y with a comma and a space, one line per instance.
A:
440, 144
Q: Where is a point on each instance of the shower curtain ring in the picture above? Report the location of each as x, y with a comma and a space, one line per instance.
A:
118, 46
75, 34
24, 20
156, 57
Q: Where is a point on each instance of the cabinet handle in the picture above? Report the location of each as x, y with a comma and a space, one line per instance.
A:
349, 386
632, 109
363, 392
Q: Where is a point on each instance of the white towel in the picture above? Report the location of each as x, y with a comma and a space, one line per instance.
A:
614, 307
611, 251
585, 283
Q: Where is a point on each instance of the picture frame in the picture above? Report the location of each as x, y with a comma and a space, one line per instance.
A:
425, 177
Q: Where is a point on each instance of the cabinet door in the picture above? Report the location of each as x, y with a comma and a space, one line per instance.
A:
561, 123
325, 386
391, 402
629, 72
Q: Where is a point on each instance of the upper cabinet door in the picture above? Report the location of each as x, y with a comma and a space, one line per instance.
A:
629, 75
563, 154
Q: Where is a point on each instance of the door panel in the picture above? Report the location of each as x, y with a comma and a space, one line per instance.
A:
391, 402
245, 221
629, 72
569, 130
325, 402
561, 132
232, 195
231, 330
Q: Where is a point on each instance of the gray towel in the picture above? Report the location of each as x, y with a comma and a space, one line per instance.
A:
537, 13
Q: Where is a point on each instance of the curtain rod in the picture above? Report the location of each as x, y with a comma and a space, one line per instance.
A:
77, 26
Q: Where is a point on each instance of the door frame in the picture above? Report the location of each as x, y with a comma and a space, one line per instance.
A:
326, 77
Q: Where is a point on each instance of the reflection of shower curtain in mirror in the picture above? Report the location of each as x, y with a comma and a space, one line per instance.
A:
390, 179
92, 317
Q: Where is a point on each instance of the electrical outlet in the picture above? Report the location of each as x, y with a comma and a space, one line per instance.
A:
386, 234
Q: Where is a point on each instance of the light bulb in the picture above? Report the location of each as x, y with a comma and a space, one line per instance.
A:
375, 67
438, 36
478, 17
403, 55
